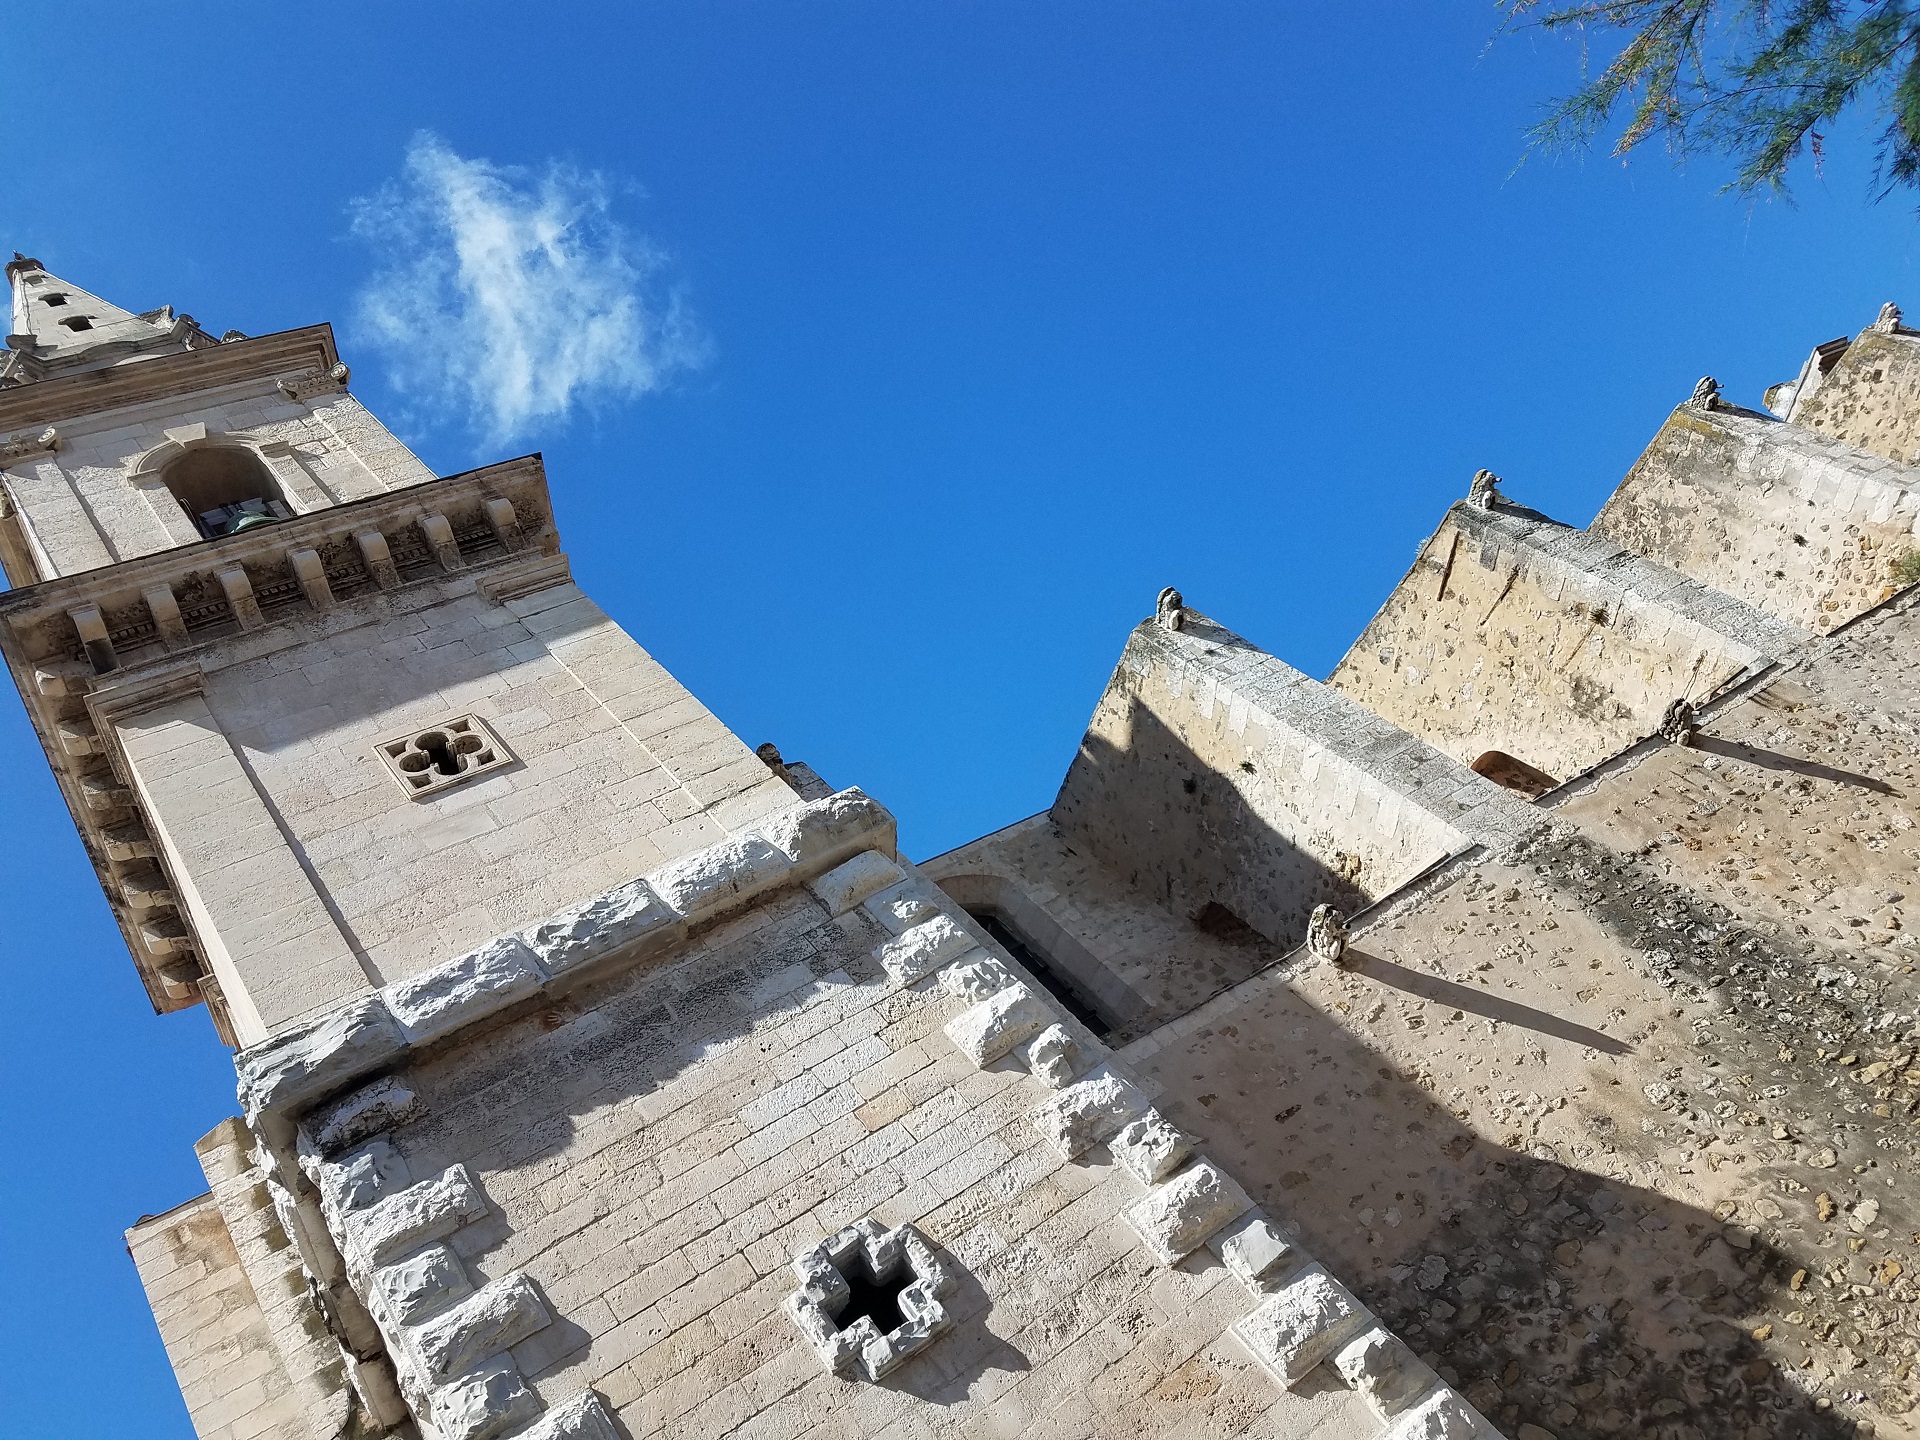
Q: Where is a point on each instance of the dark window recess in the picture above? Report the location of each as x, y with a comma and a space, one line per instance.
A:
875, 1297
78, 322
53, 300
1055, 984
1514, 773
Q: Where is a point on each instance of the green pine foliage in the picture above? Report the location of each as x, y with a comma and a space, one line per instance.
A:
1759, 81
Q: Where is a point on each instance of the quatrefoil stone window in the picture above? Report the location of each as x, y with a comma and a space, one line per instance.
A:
863, 1279
437, 757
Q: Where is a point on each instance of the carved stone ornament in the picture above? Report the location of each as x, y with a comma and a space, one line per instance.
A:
1680, 723
315, 382
1484, 490
1170, 610
23, 446
1888, 321
1327, 933
1706, 394
885, 1256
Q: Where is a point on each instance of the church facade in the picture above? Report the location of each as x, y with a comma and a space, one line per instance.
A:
1513, 1035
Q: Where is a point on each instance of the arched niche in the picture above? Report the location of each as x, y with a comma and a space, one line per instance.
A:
219, 487
1514, 773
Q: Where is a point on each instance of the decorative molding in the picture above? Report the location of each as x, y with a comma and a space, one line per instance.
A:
29, 447
313, 382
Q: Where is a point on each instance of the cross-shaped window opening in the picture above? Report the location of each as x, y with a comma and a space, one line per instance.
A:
876, 1297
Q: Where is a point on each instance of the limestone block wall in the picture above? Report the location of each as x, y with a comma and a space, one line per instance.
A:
311, 872
97, 497
1212, 772
1870, 399
1516, 634
252, 1357
1794, 521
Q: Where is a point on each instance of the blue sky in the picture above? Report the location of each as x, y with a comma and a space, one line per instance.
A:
951, 333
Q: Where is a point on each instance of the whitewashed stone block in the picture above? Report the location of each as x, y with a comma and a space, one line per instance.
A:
584, 1417
1443, 1415
987, 1031
427, 1210
1052, 1056
823, 832
726, 874
1084, 1114
846, 885
1302, 1323
423, 1283
975, 976
496, 1317
1254, 1251
599, 926
484, 1402
923, 949
386, 1104
1177, 1217
899, 908
1387, 1374
1151, 1147
318, 1056
464, 989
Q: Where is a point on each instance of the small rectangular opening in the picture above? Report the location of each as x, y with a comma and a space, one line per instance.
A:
54, 300
78, 322
1057, 985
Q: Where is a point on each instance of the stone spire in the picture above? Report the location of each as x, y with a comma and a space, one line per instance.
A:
57, 328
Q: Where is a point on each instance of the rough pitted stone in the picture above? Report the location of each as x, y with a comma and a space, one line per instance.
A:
583, 1417
1177, 1217
881, 1253
826, 831
1442, 1416
722, 875
464, 989
1151, 1147
496, 1317
1302, 1323
1254, 1250
1053, 1056
975, 976
1380, 1366
847, 884
383, 1105
600, 926
923, 949
361, 1177
484, 1402
304, 1063
987, 1031
423, 1283
900, 907
1084, 1114
427, 1210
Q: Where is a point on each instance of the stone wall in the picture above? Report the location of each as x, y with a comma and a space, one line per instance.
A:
1871, 398
1793, 521
1213, 773
1513, 633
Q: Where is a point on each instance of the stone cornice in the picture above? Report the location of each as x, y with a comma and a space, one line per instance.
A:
287, 352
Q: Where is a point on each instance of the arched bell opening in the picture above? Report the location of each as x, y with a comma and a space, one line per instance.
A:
225, 489
1515, 774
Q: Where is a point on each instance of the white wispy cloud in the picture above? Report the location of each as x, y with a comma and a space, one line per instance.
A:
513, 295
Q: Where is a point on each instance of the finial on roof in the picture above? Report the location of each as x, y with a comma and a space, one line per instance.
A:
1170, 610
1483, 490
1680, 723
1706, 394
1327, 933
1888, 321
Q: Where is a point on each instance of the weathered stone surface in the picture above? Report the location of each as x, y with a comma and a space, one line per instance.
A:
357, 1179
1053, 1056
583, 1417
900, 907
1151, 1147
306, 1062
466, 988
484, 1402
383, 1105
1442, 1416
710, 880
880, 1253
1379, 1365
600, 926
1254, 1250
423, 1283
1302, 1323
826, 831
1084, 1114
923, 949
987, 1031
427, 1210
497, 1316
1176, 1218
847, 884
975, 976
